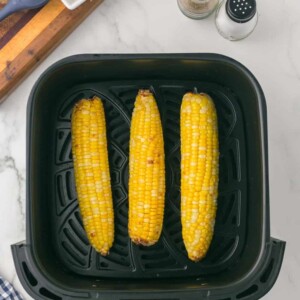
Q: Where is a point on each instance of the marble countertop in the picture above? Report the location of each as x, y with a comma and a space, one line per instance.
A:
143, 26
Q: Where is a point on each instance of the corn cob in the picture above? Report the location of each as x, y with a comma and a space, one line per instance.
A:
92, 174
199, 172
146, 171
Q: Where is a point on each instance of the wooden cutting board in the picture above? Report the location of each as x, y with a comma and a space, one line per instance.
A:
27, 37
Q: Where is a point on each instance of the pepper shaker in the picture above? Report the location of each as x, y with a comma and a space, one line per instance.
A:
236, 19
197, 9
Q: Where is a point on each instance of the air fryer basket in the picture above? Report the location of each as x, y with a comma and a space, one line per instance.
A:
57, 262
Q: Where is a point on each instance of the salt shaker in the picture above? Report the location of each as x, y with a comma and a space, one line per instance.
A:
236, 19
197, 9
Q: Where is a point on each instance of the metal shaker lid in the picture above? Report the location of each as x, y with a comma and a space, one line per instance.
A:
241, 11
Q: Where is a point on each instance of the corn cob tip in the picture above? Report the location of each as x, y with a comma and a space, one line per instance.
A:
145, 93
143, 242
103, 253
94, 98
206, 96
80, 105
190, 94
196, 257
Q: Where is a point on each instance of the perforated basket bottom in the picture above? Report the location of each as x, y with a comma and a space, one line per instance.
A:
168, 257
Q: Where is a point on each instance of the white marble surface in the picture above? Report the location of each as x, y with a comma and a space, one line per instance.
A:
155, 26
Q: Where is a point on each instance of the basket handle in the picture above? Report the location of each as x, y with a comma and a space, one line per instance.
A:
38, 286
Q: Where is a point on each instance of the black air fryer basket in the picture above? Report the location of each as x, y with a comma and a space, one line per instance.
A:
56, 261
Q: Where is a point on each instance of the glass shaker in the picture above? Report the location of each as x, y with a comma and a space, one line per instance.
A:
236, 19
197, 9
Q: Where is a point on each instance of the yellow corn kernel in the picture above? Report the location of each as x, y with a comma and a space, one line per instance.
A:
199, 172
146, 171
92, 176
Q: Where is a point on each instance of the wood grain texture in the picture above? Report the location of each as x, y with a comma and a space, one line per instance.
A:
25, 44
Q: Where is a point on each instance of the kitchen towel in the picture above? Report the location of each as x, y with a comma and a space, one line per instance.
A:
7, 291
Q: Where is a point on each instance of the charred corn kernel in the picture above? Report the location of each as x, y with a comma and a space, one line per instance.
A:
92, 175
199, 172
146, 171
